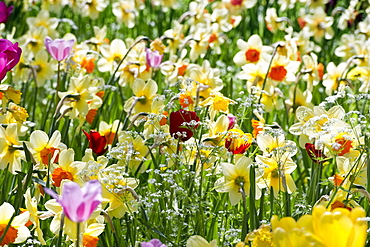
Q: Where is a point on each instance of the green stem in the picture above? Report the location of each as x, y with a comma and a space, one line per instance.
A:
78, 234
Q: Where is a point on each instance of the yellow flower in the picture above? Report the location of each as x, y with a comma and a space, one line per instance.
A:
80, 98
217, 103
338, 228
131, 152
11, 152
144, 94
198, 241
277, 174
44, 69
118, 190
111, 55
43, 20
31, 205
125, 12
261, 237
236, 179
218, 131
17, 232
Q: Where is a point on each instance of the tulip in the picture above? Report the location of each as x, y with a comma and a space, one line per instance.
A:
232, 121
78, 203
153, 243
59, 49
97, 142
316, 156
10, 55
178, 119
5, 12
153, 58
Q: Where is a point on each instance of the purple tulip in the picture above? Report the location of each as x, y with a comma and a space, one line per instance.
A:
5, 12
59, 49
153, 243
232, 121
10, 55
153, 58
79, 203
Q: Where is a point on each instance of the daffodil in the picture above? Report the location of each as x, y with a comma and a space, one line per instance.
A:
43, 69
31, 206
144, 94
198, 241
131, 151
67, 169
79, 99
43, 20
312, 121
11, 151
277, 174
45, 150
252, 51
236, 180
125, 12
118, 190
111, 55
217, 102
17, 231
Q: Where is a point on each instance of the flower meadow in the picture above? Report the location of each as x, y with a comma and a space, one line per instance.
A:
158, 123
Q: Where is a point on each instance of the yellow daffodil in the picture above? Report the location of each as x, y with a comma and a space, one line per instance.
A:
131, 151
79, 99
31, 206
198, 241
11, 152
144, 94
236, 180
217, 102
118, 190
111, 55
43, 20
125, 12
277, 174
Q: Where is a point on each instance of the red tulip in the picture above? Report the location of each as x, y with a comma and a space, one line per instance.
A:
178, 121
317, 156
98, 143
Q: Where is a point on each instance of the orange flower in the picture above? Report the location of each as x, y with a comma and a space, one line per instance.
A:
59, 174
338, 179
252, 55
91, 115
47, 153
10, 236
345, 146
88, 65
185, 100
257, 127
338, 204
89, 241
278, 73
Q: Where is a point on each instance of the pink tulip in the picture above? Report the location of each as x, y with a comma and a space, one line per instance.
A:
5, 12
59, 49
79, 203
10, 55
153, 58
